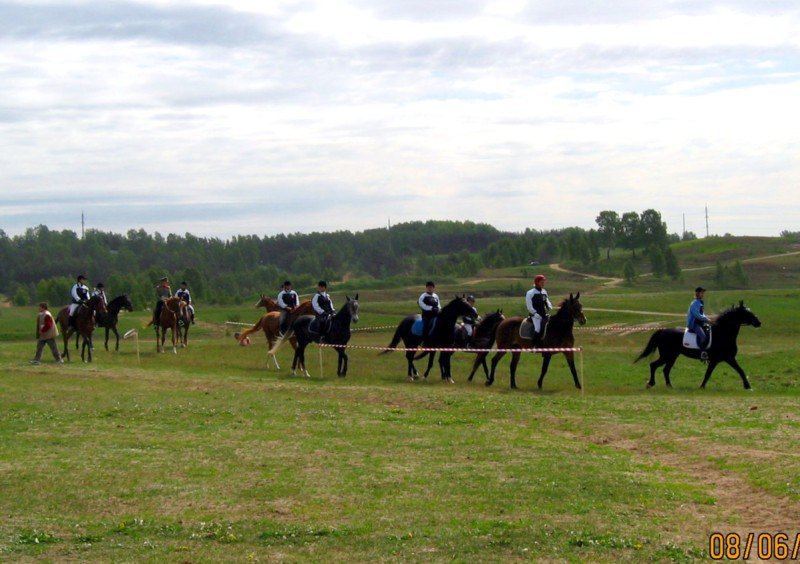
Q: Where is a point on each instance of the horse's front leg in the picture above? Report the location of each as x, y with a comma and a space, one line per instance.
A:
571, 361
546, 357
444, 367
342, 368
712, 364
175, 337
412, 370
740, 370
116, 335
514, 362
106, 343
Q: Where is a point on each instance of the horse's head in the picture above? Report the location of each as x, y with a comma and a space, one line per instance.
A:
126, 303
745, 316
97, 304
460, 306
352, 307
265, 301
575, 308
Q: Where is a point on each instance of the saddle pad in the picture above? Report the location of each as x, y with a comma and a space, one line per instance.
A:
416, 327
526, 329
690, 339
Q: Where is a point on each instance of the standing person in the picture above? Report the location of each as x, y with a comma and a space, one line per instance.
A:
163, 293
287, 301
697, 322
46, 333
79, 295
183, 294
538, 303
323, 307
429, 304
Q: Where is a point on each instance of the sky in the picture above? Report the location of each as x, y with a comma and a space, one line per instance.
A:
238, 117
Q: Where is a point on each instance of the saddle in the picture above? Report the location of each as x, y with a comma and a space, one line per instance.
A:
690, 339
320, 325
416, 327
526, 329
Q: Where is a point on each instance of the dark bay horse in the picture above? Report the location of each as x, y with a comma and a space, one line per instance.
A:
339, 334
110, 319
482, 338
84, 322
725, 330
558, 335
441, 336
270, 324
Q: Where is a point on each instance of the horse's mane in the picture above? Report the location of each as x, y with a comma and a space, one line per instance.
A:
562, 309
725, 314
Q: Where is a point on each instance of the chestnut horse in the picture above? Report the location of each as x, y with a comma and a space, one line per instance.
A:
84, 322
174, 310
270, 324
268, 303
558, 335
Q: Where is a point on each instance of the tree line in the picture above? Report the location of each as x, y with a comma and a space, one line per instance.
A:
41, 264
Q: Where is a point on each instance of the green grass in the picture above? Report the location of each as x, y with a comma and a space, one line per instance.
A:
206, 455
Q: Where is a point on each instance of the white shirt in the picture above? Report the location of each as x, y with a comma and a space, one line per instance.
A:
529, 299
423, 305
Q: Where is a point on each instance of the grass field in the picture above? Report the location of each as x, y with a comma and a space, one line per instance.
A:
208, 456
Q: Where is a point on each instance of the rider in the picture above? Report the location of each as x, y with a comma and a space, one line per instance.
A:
470, 320
184, 295
100, 292
287, 301
538, 303
163, 293
80, 296
323, 307
429, 303
697, 322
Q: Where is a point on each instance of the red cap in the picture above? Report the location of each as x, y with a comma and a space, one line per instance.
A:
539, 278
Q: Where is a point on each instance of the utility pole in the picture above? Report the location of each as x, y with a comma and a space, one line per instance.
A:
706, 220
683, 233
83, 225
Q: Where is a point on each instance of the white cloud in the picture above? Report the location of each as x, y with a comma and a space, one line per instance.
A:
345, 113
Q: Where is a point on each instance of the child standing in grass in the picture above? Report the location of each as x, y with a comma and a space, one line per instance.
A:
46, 333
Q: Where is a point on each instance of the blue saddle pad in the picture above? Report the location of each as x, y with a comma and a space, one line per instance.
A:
416, 327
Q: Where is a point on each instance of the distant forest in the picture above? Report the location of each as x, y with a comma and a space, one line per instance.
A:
42, 264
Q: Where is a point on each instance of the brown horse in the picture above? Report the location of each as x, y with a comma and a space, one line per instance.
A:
84, 322
270, 324
558, 335
174, 310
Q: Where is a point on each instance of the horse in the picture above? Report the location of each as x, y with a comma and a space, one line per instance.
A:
441, 336
270, 324
110, 319
338, 334
558, 335
84, 325
184, 321
482, 338
724, 331
174, 309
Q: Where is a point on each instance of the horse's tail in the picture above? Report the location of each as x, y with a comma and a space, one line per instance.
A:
149, 323
395, 340
652, 345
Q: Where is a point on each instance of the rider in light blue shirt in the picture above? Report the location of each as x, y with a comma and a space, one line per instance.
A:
697, 322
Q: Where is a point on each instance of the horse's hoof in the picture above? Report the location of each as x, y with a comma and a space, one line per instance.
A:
449, 380
489, 383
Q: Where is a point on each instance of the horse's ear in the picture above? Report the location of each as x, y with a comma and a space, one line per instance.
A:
346, 298
578, 296
741, 303
570, 297
356, 298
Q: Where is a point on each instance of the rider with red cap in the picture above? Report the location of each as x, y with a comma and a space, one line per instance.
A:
538, 304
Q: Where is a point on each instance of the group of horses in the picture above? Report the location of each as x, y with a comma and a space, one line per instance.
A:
87, 316
495, 333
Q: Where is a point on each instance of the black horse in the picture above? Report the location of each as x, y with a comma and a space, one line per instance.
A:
724, 330
441, 336
339, 334
111, 317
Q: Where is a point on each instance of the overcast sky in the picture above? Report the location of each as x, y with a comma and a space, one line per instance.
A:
265, 117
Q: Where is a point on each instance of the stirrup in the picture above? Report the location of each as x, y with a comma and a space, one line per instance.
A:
704, 356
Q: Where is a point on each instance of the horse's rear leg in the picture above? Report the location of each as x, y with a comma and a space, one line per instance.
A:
106, 343
342, 364
571, 362
495, 359
653, 366
412, 370
444, 366
431, 356
668, 364
480, 360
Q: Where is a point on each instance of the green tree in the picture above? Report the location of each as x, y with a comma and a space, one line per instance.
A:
739, 275
609, 229
671, 264
721, 275
629, 271
657, 261
631, 231
653, 230
22, 297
